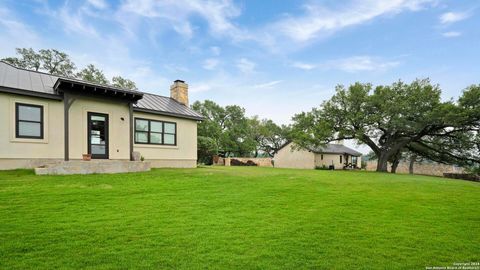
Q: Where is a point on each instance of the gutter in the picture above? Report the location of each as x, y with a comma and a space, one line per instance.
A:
17, 91
192, 117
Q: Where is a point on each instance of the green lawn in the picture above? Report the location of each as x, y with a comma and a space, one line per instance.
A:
243, 218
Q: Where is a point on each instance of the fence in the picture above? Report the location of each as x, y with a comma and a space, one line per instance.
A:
261, 162
435, 169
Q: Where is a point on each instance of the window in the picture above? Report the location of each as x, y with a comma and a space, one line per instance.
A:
321, 156
155, 132
28, 121
340, 159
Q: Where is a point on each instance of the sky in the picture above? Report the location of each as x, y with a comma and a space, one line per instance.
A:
274, 58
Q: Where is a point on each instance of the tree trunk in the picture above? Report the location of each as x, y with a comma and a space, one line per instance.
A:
395, 165
412, 161
382, 163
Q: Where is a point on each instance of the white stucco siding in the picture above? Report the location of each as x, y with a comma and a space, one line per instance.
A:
288, 157
184, 154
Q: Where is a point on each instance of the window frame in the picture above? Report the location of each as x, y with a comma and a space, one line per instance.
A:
148, 132
17, 121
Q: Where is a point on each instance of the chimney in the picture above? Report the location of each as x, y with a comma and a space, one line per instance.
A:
179, 91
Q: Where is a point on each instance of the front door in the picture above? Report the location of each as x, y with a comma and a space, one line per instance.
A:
98, 135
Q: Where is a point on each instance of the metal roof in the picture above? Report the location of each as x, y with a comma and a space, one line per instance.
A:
330, 148
165, 105
17, 78
335, 149
28, 82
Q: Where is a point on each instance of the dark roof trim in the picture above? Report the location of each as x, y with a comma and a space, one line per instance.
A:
113, 90
168, 114
22, 92
357, 154
336, 153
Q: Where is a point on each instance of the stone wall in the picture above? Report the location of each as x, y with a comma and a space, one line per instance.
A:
435, 169
261, 162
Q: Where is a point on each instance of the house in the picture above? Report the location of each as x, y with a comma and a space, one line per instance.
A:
336, 155
46, 118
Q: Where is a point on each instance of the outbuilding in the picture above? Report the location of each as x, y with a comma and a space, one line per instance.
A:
333, 156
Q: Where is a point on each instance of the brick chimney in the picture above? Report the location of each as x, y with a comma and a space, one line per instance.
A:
179, 92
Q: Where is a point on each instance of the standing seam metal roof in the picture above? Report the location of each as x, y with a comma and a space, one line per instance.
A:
39, 82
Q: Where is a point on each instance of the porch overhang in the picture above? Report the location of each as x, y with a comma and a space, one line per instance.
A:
90, 89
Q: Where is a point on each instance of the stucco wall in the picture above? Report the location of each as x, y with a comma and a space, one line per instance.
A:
118, 129
27, 153
289, 158
184, 154
50, 147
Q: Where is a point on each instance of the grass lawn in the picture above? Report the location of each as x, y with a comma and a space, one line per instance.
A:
244, 218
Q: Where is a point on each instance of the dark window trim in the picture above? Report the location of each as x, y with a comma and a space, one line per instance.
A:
17, 121
107, 139
149, 131
341, 159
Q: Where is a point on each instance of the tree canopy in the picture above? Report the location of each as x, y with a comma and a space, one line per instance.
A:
59, 63
92, 74
393, 118
228, 132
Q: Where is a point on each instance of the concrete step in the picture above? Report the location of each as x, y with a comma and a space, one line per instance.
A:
93, 166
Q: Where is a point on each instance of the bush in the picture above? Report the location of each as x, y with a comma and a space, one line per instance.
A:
207, 148
236, 162
323, 167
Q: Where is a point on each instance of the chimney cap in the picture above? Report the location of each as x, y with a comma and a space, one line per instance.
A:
179, 81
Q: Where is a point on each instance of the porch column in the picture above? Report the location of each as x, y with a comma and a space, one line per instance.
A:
67, 102
130, 109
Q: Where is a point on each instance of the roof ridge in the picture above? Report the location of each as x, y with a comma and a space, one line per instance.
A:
168, 98
157, 95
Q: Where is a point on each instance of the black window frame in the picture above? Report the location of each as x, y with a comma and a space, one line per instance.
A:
150, 132
17, 121
341, 161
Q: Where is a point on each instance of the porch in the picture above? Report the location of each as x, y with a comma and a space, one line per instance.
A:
93, 166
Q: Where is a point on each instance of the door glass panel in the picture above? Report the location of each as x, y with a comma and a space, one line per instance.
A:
98, 149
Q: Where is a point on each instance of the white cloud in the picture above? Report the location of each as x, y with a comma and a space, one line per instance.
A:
245, 65
360, 63
303, 66
100, 4
266, 85
320, 21
210, 64
14, 33
217, 13
199, 87
215, 50
451, 34
451, 17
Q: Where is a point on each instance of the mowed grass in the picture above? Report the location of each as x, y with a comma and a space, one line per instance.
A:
237, 218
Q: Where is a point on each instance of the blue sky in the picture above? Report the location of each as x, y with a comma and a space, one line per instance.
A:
275, 58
